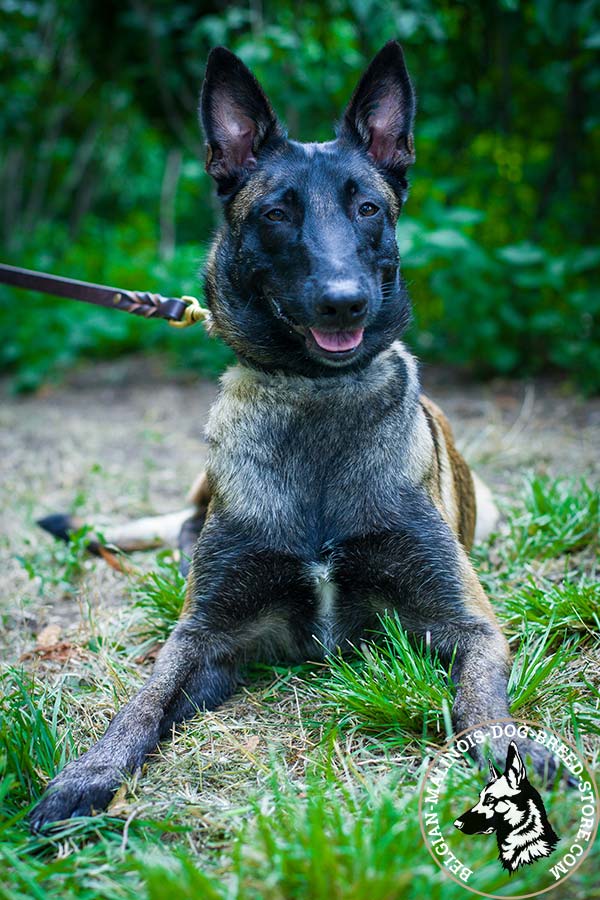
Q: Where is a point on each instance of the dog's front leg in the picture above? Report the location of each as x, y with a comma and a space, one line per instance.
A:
480, 671
190, 673
421, 571
227, 610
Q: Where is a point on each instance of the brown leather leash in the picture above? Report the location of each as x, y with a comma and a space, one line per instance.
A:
179, 312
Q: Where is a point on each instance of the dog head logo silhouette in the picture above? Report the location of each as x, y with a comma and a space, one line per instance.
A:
512, 808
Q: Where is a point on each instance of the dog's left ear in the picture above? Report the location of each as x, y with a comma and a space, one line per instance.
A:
494, 772
515, 768
381, 112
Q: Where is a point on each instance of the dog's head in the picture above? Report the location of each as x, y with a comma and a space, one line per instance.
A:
499, 803
304, 275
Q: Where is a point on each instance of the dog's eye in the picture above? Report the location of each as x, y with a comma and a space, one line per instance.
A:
275, 215
368, 209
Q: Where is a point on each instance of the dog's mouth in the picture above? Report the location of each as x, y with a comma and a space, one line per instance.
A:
332, 345
335, 346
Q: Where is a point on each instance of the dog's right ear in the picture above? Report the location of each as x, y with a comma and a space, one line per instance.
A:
237, 119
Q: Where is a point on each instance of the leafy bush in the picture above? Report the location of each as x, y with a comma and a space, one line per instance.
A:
101, 177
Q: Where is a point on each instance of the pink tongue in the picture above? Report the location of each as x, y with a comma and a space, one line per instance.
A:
337, 341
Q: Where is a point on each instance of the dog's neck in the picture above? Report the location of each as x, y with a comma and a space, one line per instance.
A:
394, 369
532, 839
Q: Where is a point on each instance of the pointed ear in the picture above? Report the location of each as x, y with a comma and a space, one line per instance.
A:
237, 119
515, 768
381, 112
494, 772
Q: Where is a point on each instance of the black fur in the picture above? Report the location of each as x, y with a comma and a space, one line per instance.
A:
324, 263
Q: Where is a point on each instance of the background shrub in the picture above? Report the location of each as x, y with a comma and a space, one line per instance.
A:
102, 174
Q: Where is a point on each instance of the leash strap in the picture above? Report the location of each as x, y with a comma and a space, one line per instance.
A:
179, 312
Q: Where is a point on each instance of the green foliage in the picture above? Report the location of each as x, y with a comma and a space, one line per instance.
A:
343, 836
537, 681
514, 309
330, 840
58, 564
33, 748
101, 176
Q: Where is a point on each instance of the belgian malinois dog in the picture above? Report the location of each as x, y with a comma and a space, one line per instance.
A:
510, 807
333, 490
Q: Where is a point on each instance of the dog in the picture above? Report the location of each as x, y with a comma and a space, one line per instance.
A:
333, 490
512, 808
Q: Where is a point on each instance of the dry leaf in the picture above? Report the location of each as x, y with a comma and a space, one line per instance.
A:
119, 804
47, 637
61, 651
150, 654
251, 745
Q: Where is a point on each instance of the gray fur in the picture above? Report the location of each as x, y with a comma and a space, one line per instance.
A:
273, 436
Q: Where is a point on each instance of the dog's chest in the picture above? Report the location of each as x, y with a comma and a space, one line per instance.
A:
305, 465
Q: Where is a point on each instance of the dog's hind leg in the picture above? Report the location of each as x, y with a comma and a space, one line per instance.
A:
150, 532
146, 533
487, 515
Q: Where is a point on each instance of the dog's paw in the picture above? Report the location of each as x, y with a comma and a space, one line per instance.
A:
79, 793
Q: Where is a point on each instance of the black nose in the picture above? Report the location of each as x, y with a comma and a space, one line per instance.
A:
341, 305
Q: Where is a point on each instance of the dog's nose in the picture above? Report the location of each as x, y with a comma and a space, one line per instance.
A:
458, 823
341, 305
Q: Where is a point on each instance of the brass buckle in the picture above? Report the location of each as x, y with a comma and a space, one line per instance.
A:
193, 313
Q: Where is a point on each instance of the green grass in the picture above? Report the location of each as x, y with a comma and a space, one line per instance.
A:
305, 788
58, 565
35, 741
565, 608
390, 688
537, 680
160, 595
557, 516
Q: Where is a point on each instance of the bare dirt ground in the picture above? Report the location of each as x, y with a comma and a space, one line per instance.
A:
124, 440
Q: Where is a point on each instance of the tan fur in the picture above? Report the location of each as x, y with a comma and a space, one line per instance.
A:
456, 493
247, 197
475, 598
388, 193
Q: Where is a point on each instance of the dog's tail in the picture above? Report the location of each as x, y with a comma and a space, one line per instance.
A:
176, 529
